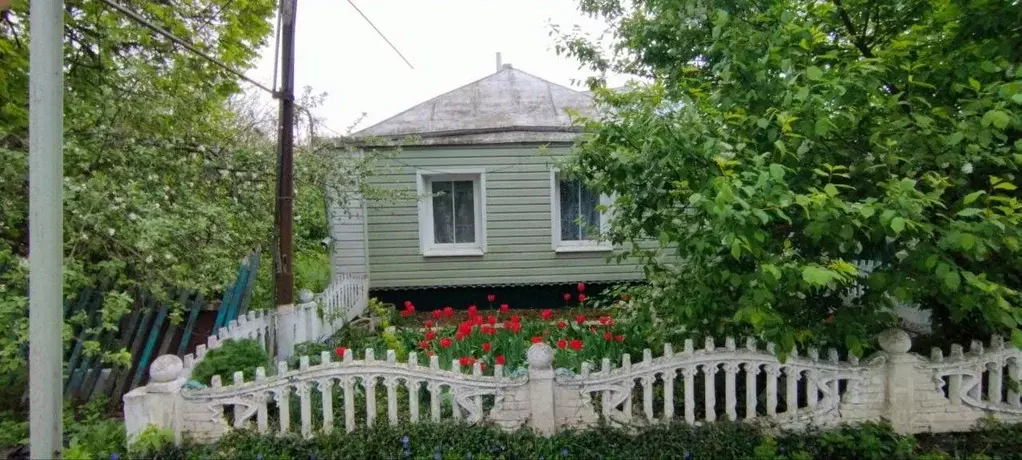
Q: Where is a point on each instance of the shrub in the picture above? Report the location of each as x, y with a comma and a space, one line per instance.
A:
233, 355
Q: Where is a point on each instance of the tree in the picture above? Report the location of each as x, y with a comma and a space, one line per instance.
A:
810, 164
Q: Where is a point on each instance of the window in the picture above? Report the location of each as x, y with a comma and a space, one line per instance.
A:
576, 220
452, 213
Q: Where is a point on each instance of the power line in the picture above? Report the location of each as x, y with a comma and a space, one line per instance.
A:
155, 28
384, 37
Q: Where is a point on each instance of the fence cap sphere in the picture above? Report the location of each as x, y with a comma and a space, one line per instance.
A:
895, 341
540, 356
305, 296
166, 368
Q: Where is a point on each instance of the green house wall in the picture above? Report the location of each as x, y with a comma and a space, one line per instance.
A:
518, 225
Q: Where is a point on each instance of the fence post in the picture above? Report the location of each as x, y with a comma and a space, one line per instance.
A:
159, 402
541, 389
900, 376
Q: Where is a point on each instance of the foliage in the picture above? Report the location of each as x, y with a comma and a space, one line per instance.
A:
90, 433
721, 440
311, 349
806, 166
151, 440
243, 355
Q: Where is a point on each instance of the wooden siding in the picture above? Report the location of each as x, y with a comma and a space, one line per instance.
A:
518, 225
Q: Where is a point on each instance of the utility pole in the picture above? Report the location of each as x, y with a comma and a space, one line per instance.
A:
46, 226
283, 286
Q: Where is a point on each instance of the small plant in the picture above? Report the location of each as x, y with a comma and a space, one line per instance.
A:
310, 349
233, 355
151, 440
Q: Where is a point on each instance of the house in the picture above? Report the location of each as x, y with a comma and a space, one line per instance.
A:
487, 210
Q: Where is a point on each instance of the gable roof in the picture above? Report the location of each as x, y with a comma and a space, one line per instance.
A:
507, 106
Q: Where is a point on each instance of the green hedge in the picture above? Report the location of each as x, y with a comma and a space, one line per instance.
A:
680, 441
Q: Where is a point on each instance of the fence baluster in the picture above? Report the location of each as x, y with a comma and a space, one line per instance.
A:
455, 408
262, 415
391, 384
730, 396
606, 398
326, 389
1015, 373
477, 370
434, 390
647, 385
709, 391
791, 377
305, 400
626, 367
812, 381
772, 372
413, 388
239, 378
751, 370
994, 382
690, 393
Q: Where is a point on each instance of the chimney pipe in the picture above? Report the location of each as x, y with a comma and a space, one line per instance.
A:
500, 62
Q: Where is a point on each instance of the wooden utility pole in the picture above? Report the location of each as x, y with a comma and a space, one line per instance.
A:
283, 285
45, 226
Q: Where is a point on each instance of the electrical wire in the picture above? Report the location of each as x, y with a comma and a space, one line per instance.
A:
155, 28
384, 37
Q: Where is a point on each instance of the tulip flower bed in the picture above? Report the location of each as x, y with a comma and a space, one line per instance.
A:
500, 335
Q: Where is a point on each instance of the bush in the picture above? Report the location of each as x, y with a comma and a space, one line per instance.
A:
233, 355
722, 440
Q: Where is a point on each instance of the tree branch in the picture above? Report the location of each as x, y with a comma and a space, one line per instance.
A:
860, 42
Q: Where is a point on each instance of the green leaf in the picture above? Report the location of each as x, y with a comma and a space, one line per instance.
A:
952, 280
736, 249
867, 211
955, 138
974, 83
1005, 186
997, 118
830, 189
763, 217
776, 171
898, 224
967, 212
1016, 338
822, 126
814, 73
967, 241
973, 196
817, 276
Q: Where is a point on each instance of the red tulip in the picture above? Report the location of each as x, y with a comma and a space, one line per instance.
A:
482, 367
491, 297
406, 313
576, 344
488, 330
445, 342
567, 296
606, 320
437, 313
500, 359
429, 323
562, 344
561, 324
340, 351
466, 360
581, 298
430, 335
515, 319
620, 338
472, 311
424, 344
465, 328
608, 336
504, 308
507, 324
537, 339
448, 312
515, 327
491, 319
459, 335
581, 287
477, 320
546, 314
486, 347
408, 305
580, 319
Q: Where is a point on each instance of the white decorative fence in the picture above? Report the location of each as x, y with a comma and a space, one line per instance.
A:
916, 394
255, 325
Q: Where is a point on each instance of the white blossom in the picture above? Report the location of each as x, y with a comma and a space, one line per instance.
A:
132, 216
967, 168
901, 255
110, 231
149, 259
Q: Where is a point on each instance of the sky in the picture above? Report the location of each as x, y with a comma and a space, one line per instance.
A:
449, 43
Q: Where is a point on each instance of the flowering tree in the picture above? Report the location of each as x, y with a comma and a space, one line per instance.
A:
780, 148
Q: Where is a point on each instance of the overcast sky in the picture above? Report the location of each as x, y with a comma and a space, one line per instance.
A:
449, 42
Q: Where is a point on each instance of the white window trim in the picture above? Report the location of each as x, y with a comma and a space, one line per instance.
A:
426, 245
555, 223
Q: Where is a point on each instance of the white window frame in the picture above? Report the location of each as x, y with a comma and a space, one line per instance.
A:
555, 222
427, 246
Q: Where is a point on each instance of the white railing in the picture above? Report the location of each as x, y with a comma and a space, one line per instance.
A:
255, 325
344, 300
915, 393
